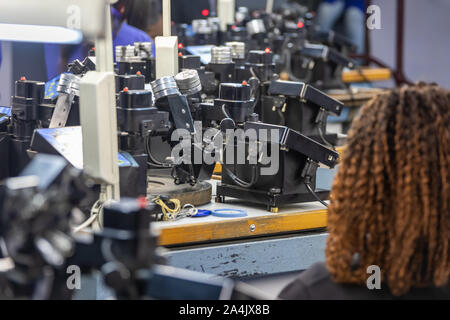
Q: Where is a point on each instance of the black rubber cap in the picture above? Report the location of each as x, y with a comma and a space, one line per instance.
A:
234, 91
134, 99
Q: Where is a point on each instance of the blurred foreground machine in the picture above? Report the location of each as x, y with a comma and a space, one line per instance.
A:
40, 251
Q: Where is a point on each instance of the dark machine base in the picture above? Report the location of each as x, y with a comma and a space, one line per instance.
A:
197, 195
272, 200
4, 156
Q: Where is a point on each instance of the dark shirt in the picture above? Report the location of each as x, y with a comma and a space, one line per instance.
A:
316, 284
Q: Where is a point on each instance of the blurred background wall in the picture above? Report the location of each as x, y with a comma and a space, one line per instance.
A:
426, 39
426, 44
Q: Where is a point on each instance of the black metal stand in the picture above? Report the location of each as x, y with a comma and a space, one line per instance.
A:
272, 200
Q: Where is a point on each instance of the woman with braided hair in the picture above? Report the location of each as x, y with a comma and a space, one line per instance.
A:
390, 203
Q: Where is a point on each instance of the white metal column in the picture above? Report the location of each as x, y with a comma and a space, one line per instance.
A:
98, 117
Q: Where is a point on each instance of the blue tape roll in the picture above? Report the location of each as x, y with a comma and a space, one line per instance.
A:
229, 213
202, 213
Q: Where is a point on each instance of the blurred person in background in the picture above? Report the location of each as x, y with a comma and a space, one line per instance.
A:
145, 15
352, 14
57, 57
390, 204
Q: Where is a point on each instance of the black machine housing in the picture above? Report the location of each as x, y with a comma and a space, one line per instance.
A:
299, 157
300, 107
299, 146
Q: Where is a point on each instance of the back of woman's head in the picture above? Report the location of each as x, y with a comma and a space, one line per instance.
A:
390, 203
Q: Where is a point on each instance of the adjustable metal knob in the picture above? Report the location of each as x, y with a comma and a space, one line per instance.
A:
69, 84
237, 49
164, 87
221, 55
188, 82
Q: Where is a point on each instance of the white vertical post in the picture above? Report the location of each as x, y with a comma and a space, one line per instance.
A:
225, 11
166, 46
269, 6
6, 90
98, 117
167, 18
104, 47
105, 63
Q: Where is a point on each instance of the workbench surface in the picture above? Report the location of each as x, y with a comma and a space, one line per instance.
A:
259, 222
358, 97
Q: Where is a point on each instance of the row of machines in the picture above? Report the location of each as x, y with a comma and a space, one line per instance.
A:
249, 98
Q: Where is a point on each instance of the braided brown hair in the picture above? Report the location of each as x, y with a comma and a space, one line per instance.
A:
390, 203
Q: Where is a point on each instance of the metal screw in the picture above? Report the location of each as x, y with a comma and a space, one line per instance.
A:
275, 190
252, 228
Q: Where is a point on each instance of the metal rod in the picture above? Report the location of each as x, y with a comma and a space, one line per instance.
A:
398, 73
400, 40
105, 63
103, 47
367, 45
167, 20
269, 6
